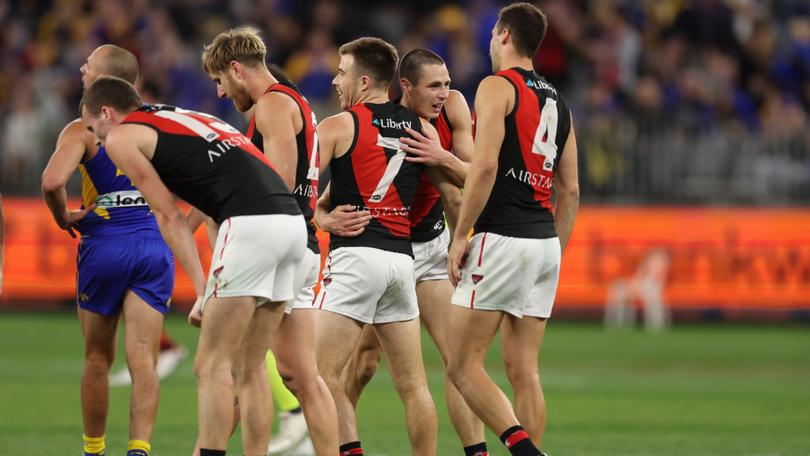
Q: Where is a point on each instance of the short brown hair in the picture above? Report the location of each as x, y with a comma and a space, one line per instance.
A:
119, 62
527, 26
243, 44
410, 67
110, 91
373, 56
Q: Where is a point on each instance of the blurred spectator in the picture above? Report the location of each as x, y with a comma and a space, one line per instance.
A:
672, 97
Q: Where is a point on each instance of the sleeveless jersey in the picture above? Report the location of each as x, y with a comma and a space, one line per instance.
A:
212, 166
121, 209
306, 171
374, 175
535, 134
427, 215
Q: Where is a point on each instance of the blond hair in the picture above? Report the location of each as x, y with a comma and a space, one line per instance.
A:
243, 44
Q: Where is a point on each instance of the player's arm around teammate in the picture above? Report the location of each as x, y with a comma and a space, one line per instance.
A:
449, 190
456, 163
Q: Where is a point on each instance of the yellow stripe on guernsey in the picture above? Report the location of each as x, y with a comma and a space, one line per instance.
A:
90, 194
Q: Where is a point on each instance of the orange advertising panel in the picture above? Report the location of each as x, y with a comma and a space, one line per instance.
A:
731, 258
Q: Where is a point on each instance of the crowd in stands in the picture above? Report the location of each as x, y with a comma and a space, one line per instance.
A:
672, 99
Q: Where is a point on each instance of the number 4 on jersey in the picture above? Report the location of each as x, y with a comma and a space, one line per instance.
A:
545, 143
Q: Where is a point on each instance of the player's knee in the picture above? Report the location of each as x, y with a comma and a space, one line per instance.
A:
99, 358
458, 371
204, 368
522, 372
366, 368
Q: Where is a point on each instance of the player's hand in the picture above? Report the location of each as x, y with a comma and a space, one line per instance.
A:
456, 259
195, 315
345, 220
73, 217
422, 149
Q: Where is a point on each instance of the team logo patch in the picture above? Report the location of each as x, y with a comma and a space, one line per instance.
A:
477, 278
327, 281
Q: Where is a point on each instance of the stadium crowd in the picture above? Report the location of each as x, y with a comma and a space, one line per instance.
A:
676, 99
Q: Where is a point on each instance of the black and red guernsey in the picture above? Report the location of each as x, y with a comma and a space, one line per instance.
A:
534, 139
212, 166
374, 175
427, 214
306, 171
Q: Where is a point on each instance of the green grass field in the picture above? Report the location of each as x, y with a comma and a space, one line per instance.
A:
696, 390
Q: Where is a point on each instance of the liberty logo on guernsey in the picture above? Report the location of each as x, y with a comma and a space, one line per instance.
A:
391, 123
539, 84
124, 198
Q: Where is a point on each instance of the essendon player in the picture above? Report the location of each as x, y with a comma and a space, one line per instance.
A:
165, 150
425, 84
524, 149
369, 279
283, 127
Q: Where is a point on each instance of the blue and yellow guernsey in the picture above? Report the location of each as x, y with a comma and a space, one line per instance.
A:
121, 209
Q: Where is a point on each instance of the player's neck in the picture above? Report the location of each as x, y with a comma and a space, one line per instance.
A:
259, 84
509, 60
375, 96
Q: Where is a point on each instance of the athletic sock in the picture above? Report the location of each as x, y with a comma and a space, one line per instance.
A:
206, 452
137, 447
93, 445
479, 449
517, 441
350, 449
285, 400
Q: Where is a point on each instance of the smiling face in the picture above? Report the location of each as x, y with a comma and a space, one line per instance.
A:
428, 96
347, 82
231, 86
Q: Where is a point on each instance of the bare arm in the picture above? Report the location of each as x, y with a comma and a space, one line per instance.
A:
276, 116
125, 144
566, 186
345, 220
455, 164
70, 148
195, 218
449, 190
492, 106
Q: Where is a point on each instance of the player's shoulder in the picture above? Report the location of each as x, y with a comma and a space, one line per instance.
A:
495, 92
495, 82
457, 109
340, 120
76, 131
276, 102
129, 134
